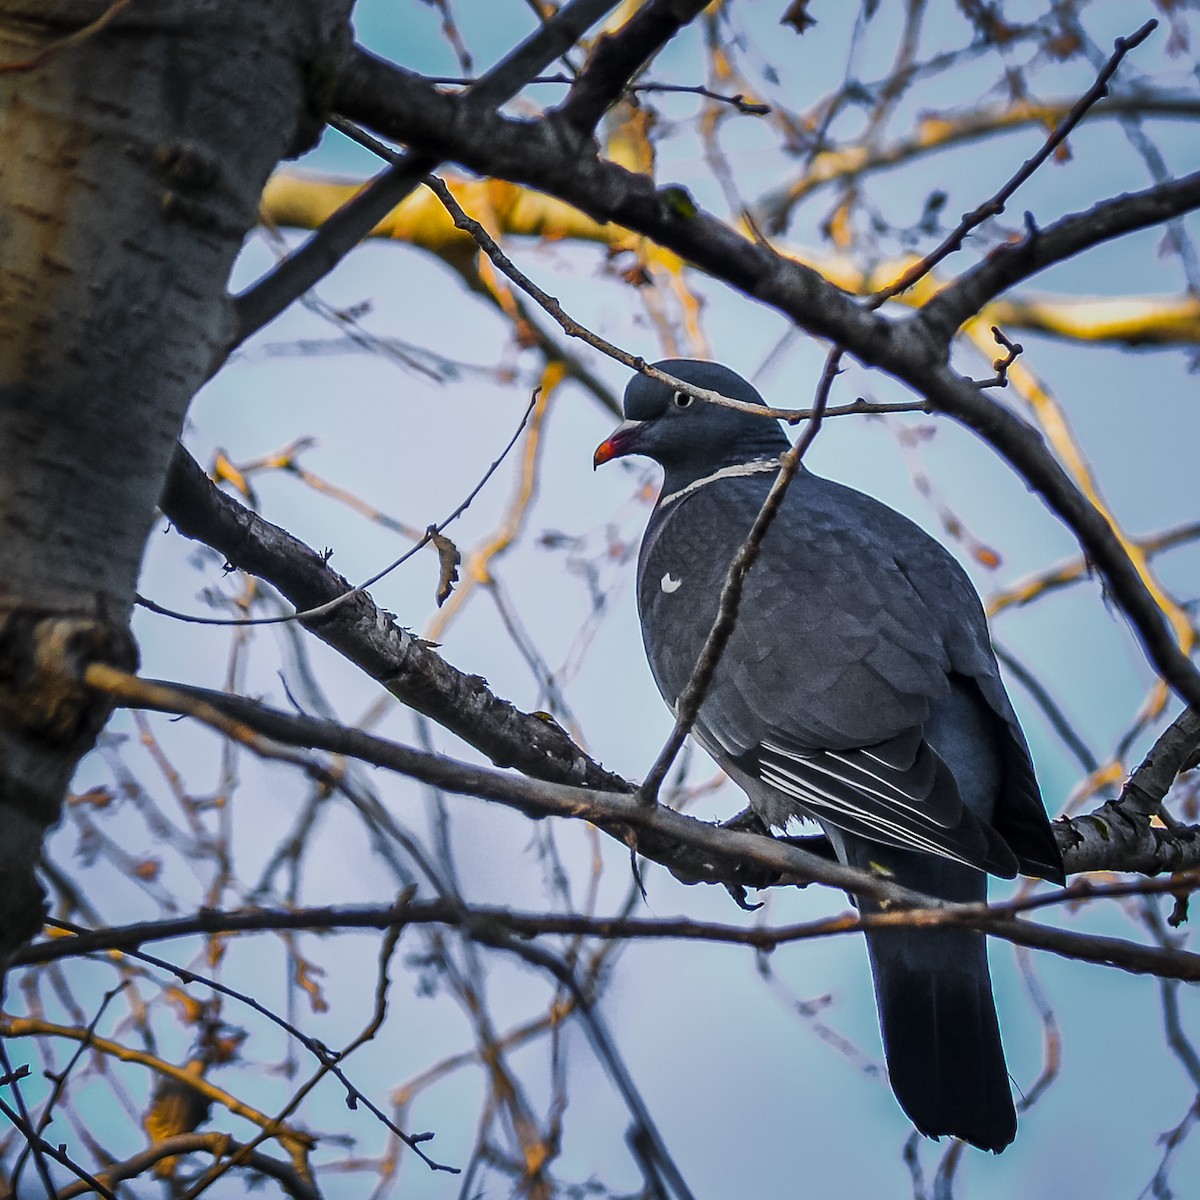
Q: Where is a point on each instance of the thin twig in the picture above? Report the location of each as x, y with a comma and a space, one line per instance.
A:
750, 108
330, 1064
296, 1141
1013, 262
687, 707
1001, 919
1001, 364
43, 1150
432, 532
289, 1179
60, 1079
32, 1139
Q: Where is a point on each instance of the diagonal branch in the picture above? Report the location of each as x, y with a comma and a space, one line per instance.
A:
931, 135
1129, 818
1041, 248
548, 156
995, 206
654, 831
1019, 444
404, 664
693, 850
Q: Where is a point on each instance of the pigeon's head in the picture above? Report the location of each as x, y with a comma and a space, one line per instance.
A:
684, 433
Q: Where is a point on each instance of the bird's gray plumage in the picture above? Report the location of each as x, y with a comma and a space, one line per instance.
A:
858, 687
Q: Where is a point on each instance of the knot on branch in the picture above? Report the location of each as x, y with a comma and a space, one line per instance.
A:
42, 660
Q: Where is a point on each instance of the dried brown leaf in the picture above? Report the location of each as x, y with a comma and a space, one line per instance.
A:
191, 1010
448, 562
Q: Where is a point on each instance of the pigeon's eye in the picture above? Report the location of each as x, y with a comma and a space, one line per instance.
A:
682, 399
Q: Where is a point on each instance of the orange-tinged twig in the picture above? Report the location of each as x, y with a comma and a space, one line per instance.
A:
1073, 570
295, 1141
302, 201
935, 132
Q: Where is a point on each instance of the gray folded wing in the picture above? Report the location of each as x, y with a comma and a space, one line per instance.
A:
853, 625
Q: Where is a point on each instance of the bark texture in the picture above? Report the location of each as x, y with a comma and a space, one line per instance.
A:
136, 146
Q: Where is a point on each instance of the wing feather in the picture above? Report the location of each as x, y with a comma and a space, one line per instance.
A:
876, 793
852, 625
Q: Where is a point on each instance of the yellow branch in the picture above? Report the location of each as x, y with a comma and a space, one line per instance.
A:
304, 201
295, 1142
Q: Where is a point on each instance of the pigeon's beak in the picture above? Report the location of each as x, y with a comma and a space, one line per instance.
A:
622, 440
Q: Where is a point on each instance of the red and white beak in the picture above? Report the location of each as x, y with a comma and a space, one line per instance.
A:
622, 441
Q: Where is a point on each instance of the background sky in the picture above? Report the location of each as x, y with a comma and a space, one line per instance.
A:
752, 1095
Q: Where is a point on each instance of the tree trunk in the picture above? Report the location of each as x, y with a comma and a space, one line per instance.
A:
135, 151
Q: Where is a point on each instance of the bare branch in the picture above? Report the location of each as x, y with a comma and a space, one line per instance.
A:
1041, 248
695, 851
1000, 919
1151, 848
544, 155
408, 667
293, 1182
1001, 364
933, 134
995, 205
432, 535
296, 1141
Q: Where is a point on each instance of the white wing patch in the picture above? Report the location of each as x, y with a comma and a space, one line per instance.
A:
816, 782
668, 584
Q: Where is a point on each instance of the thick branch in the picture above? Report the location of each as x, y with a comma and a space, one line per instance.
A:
716, 854
1148, 848
549, 156
1041, 248
691, 849
409, 668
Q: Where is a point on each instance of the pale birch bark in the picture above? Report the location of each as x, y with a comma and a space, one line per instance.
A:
134, 154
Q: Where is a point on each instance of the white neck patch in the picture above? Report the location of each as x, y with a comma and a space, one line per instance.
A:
757, 467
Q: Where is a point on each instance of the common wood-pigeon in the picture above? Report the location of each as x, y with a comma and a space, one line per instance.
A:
859, 688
